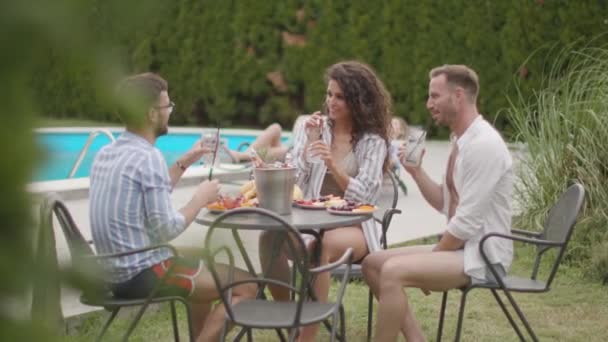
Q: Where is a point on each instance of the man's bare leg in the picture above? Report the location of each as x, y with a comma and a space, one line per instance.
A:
212, 321
372, 265
435, 271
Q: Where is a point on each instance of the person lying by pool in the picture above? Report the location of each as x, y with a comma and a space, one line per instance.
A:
268, 141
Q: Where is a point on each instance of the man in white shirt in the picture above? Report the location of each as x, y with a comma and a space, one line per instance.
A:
475, 196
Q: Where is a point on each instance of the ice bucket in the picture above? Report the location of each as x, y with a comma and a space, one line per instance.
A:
275, 188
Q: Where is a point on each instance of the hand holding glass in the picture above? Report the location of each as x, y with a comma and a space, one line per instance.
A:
414, 148
314, 133
209, 141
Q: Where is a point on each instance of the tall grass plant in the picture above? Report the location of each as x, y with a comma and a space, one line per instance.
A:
564, 127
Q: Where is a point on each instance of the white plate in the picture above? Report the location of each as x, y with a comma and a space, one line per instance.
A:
308, 206
350, 213
217, 211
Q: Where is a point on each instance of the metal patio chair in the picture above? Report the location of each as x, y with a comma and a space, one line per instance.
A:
387, 204
261, 313
85, 264
556, 234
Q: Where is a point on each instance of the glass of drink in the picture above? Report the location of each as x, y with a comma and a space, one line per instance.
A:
210, 141
414, 148
314, 133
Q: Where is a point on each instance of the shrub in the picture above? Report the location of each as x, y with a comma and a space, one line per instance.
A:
565, 129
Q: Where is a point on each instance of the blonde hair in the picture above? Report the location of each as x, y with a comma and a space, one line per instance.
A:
459, 75
402, 130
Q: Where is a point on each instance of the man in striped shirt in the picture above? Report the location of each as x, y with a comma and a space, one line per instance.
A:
130, 208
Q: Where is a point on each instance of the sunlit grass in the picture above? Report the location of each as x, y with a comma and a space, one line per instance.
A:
574, 310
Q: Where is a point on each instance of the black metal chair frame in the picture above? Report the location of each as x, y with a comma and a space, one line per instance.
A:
544, 241
82, 254
385, 222
304, 291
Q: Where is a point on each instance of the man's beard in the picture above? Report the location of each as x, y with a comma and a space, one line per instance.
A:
162, 130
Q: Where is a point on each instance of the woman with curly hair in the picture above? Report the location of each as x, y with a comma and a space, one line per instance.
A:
348, 160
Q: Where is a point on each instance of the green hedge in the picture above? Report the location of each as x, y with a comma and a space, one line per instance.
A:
217, 54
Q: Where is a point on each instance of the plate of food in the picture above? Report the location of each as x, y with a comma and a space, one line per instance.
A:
321, 203
227, 202
352, 209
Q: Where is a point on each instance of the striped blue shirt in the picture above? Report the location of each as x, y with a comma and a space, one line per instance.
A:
130, 205
370, 153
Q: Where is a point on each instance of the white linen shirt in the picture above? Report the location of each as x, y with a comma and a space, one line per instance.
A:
483, 178
370, 153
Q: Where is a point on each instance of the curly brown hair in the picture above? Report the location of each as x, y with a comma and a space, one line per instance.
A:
369, 102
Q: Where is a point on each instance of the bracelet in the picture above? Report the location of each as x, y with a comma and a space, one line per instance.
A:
180, 165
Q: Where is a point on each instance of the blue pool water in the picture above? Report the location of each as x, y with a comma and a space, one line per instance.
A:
62, 150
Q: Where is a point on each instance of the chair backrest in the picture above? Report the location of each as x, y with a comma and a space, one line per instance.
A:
77, 244
286, 235
86, 270
559, 225
389, 196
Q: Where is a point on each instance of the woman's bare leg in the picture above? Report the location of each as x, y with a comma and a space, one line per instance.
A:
274, 266
335, 242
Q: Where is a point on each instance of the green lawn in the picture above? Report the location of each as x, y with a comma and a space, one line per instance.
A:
574, 310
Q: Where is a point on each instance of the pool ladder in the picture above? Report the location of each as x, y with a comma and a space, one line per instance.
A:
86, 147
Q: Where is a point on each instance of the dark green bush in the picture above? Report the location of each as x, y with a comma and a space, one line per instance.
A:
217, 55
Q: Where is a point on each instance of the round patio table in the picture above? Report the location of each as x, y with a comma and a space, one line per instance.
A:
300, 219
310, 221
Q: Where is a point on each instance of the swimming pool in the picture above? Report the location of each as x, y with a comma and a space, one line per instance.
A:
61, 149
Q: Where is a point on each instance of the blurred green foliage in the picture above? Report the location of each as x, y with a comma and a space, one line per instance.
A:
49, 48
250, 63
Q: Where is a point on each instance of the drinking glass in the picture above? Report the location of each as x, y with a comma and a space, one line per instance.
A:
209, 140
414, 147
313, 134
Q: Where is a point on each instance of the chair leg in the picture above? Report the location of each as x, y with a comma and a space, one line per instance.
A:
342, 324
106, 325
521, 315
133, 324
174, 321
224, 331
189, 321
281, 336
332, 333
444, 300
249, 335
463, 301
509, 317
293, 334
370, 310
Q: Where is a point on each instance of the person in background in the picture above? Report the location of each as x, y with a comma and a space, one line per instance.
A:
269, 140
475, 196
130, 208
399, 127
350, 148
399, 134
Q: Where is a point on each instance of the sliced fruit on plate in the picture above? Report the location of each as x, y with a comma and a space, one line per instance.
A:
216, 206
366, 208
